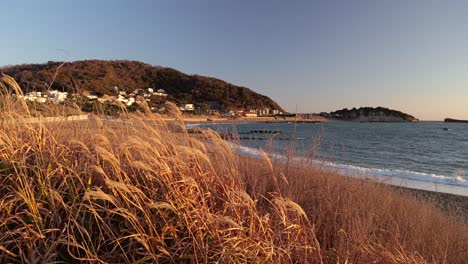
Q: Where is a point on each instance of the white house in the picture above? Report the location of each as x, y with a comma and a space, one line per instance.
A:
160, 92
263, 112
122, 99
35, 97
92, 97
189, 107
57, 96
250, 113
41, 100
131, 101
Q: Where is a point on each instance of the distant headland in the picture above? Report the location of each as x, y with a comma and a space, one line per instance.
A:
369, 114
451, 120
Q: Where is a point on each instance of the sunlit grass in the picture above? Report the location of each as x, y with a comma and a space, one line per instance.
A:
144, 191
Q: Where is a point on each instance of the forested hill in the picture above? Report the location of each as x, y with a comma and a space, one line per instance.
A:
370, 114
100, 76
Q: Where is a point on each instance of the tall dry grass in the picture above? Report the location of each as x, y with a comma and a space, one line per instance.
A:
132, 190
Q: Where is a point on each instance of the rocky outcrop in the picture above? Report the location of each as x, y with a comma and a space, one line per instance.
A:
370, 114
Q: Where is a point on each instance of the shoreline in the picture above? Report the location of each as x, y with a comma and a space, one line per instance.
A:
372, 174
437, 194
214, 119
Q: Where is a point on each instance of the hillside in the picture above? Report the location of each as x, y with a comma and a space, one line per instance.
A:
370, 114
100, 76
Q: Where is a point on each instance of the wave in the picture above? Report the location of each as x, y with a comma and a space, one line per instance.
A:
401, 174
379, 174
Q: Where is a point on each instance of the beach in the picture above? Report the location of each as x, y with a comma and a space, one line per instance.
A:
193, 119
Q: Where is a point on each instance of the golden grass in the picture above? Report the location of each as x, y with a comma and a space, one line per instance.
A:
136, 192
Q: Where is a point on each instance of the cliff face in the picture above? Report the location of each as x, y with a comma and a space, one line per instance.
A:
371, 114
100, 76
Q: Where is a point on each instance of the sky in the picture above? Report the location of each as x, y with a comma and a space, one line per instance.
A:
309, 56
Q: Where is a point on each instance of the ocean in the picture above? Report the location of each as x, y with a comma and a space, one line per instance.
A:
424, 155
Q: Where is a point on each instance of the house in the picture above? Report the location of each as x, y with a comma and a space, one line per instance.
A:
122, 99
160, 92
92, 97
31, 96
250, 113
41, 100
57, 96
263, 112
106, 98
131, 101
189, 107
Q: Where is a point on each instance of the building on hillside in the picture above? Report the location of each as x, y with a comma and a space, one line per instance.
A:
250, 113
57, 96
160, 92
92, 97
122, 99
131, 101
41, 100
105, 98
189, 107
263, 112
32, 96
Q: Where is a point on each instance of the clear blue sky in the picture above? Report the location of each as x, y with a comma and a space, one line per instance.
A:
410, 55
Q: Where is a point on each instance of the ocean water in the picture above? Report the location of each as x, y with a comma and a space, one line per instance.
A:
424, 155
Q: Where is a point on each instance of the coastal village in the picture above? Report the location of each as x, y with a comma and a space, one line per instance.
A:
155, 98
